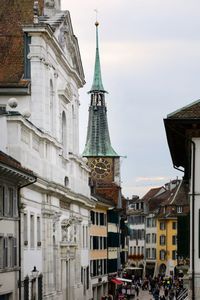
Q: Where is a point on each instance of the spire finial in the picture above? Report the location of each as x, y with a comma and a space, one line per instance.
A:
97, 85
96, 23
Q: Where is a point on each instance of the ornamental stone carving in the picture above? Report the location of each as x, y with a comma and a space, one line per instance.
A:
69, 229
50, 3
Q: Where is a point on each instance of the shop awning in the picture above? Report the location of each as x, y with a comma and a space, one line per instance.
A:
117, 281
124, 279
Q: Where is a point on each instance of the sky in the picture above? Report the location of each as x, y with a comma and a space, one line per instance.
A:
150, 63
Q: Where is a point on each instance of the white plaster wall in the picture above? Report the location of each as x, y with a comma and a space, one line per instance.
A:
39, 148
197, 206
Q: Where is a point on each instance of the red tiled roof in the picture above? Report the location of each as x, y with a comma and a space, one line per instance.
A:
191, 111
151, 193
10, 161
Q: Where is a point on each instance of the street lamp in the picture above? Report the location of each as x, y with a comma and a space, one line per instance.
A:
34, 272
34, 283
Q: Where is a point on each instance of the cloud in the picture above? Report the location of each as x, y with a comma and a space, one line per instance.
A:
148, 179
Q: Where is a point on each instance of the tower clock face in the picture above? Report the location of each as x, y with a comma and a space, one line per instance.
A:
100, 167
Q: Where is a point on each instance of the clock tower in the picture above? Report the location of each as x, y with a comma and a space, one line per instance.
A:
103, 161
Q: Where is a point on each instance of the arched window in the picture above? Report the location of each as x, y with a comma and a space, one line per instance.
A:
64, 133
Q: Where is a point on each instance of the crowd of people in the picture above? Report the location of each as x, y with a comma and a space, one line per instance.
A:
160, 288
164, 288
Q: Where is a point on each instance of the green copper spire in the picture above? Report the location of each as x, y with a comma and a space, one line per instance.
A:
97, 84
98, 139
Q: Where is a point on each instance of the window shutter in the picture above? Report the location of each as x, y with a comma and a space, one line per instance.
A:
5, 252
15, 203
6, 205
14, 258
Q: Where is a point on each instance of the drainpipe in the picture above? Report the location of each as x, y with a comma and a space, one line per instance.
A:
19, 232
193, 212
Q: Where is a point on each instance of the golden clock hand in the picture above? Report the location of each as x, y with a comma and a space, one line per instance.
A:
100, 168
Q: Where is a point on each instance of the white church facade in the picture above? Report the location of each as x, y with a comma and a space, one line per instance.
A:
39, 123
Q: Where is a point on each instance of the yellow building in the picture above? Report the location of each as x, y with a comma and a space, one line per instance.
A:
166, 244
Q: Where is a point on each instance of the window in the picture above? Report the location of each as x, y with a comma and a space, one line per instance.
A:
138, 250
64, 133
87, 278
102, 219
134, 249
148, 255
154, 238
162, 255
174, 225
8, 201
97, 218
105, 266
92, 217
1, 252
153, 222
32, 236
148, 238
105, 242
38, 232
27, 65
66, 181
174, 255
153, 253
149, 222
25, 230
5, 252
179, 209
174, 240
162, 225
131, 250
162, 240
142, 251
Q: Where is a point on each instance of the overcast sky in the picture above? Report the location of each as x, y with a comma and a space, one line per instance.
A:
150, 61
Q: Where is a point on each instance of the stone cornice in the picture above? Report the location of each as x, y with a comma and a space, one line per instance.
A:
60, 191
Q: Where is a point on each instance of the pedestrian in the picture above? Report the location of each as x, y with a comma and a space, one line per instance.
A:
137, 290
166, 293
156, 293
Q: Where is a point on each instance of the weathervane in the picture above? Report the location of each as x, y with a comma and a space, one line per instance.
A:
96, 11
